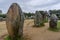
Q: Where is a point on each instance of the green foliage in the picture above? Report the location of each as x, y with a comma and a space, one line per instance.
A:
55, 30
57, 12
58, 25
45, 20
54, 11
3, 15
7, 38
23, 38
29, 14
40, 24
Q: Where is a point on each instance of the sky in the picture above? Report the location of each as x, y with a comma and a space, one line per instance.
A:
30, 5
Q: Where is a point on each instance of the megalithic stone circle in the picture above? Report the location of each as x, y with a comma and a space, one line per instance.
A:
15, 21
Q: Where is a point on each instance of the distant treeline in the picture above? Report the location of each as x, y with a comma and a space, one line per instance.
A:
57, 12
25, 14
3, 15
29, 14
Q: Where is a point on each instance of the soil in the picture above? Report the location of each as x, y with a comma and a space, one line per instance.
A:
33, 33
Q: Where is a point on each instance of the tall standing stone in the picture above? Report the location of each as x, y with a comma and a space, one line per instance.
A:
53, 21
14, 21
44, 16
38, 19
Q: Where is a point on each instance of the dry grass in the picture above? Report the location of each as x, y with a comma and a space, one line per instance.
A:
33, 33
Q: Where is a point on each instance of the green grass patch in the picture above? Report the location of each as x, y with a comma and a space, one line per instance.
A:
56, 29
23, 38
7, 38
45, 20
58, 24
41, 25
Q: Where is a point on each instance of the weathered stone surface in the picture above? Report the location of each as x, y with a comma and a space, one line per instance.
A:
1, 19
14, 21
38, 19
45, 16
53, 21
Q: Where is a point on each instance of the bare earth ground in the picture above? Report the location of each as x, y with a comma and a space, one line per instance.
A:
41, 33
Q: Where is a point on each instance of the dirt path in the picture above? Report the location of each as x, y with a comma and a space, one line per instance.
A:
34, 33
3, 30
41, 33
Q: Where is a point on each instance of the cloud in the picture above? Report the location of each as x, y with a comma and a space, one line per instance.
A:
5, 4
31, 5
1, 1
41, 4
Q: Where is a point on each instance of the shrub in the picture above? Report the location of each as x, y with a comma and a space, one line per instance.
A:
3, 15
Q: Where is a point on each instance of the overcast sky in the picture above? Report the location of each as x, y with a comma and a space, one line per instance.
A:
30, 5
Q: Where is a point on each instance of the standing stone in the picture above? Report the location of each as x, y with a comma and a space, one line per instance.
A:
1, 19
38, 19
44, 16
14, 21
53, 21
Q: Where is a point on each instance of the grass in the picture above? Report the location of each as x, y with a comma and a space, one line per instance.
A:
55, 30
58, 27
41, 25
23, 38
7, 38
